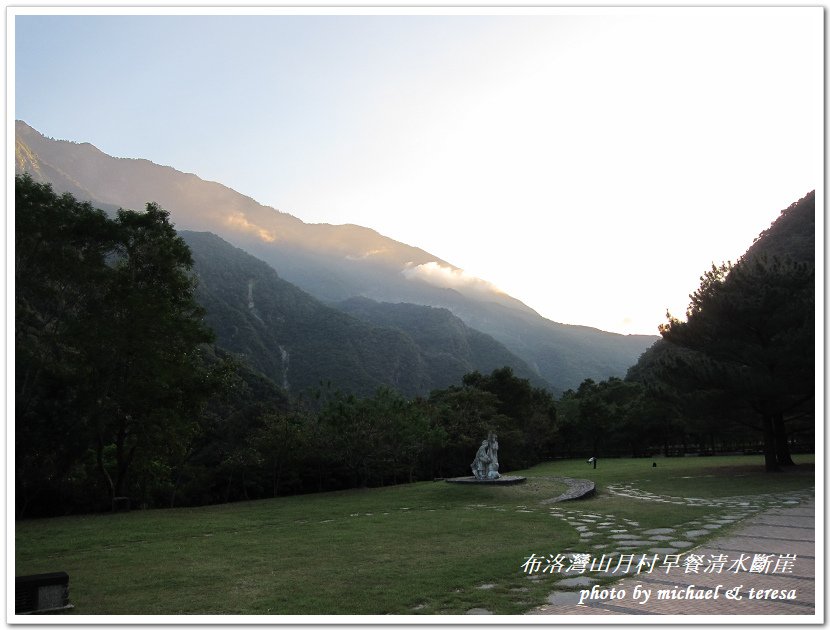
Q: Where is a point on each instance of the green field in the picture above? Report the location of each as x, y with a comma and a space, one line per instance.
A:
424, 548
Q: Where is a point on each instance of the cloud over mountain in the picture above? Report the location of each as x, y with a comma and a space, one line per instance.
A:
446, 277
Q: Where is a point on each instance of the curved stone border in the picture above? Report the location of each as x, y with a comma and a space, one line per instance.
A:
505, 480
577, 489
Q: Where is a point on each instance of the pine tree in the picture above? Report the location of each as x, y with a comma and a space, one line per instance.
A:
751, 329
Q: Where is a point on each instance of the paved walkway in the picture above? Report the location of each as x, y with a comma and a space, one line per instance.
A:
777, 531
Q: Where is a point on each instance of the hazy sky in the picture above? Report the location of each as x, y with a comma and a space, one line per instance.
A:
591, 164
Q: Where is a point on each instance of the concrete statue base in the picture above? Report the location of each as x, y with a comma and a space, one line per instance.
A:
504, 480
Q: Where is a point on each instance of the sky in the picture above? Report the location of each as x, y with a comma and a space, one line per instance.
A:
591, 163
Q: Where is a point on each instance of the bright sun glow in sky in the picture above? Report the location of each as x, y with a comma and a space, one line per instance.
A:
590, 163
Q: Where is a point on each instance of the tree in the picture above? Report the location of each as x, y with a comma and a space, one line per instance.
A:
528, 435
750, 327
465, 415
143, 357
281, 441
61, 246
107, 341
355, 432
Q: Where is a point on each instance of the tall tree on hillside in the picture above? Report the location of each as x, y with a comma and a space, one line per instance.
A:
143, 355
751, 329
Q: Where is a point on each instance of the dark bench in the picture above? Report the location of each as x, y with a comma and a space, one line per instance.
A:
45, 592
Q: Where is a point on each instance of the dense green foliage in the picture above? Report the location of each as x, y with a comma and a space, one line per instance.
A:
612, 417
339, 440
792, 235
740, 369
751, 332
108, 373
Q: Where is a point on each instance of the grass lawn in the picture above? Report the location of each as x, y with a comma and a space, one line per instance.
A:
424, 548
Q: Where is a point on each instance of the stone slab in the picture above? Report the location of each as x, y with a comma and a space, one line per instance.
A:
577, 489
666, 551
564, 597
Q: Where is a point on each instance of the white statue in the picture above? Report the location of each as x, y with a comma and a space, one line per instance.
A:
493, 451
481, 461
486, 463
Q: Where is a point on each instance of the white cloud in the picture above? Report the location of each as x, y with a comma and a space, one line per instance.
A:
445, 277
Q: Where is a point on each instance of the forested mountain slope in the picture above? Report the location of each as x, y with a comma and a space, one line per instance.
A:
302, 344
449, 347
792, 234
332, 262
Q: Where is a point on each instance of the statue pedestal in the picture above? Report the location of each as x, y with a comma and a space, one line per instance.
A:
504, 480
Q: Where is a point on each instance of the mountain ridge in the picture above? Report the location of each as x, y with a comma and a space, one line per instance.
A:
332, 263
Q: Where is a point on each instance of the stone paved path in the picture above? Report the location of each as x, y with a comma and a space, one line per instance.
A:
780, 530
